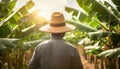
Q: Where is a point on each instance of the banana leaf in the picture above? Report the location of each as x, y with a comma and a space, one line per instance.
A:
5, 7
85, 41
77, 13
5, 1
115, 38
24, 9
115, 11
27, 31
13, 13
95, 49
30, 44
72, 10
110, 53
116, 2
5, 30
10, 43
95, 46
103, 13
31, 17
85, 4
98, 35
81, 27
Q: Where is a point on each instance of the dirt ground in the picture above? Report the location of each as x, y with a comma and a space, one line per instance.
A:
86, 64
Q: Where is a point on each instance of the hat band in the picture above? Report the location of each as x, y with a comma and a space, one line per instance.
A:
57, 25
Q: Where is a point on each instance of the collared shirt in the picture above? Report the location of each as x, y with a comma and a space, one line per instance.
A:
55, 54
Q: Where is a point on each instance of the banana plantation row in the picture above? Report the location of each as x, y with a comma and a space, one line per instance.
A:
97, 31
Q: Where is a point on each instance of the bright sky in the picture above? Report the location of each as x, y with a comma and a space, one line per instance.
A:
49, 6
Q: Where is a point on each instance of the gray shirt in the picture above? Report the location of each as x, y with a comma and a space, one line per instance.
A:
55, 54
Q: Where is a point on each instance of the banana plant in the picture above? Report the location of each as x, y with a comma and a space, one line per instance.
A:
105, 18
19, 32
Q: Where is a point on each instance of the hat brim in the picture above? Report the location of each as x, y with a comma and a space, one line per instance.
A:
66, 28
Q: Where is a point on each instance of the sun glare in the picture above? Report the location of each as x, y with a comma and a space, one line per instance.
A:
44, 14
48, 6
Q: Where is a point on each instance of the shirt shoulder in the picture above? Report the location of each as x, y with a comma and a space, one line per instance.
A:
71, 45
42, 43
58, 43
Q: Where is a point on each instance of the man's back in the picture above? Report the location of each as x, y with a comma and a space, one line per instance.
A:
56, 54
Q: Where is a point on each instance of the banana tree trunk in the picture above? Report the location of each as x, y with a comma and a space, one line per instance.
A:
95, 62
9, 61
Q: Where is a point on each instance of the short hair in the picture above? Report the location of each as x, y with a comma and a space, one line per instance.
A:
58, 34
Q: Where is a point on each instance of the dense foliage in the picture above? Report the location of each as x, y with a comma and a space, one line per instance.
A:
104, 17
19, 33
97, 28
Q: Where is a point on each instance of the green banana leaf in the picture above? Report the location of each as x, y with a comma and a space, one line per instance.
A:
103, 13
116, 2
115, 11
83, 17
115, 38
5, 30
5, 7
95, 49
85, 4
110, 53
85, 41
16, 11
80, 16
34, 43
98, 35
30, 44
9, 25
10, 43
72, 10
95, 46
24, 9
81, 27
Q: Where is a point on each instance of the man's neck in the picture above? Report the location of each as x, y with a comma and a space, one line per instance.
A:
57, 37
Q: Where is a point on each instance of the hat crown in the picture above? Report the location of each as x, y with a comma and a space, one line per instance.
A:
57, 18
57, 24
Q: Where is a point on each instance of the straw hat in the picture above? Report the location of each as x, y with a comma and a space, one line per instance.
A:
57, 24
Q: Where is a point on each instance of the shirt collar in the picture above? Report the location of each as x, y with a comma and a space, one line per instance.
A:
56, 37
